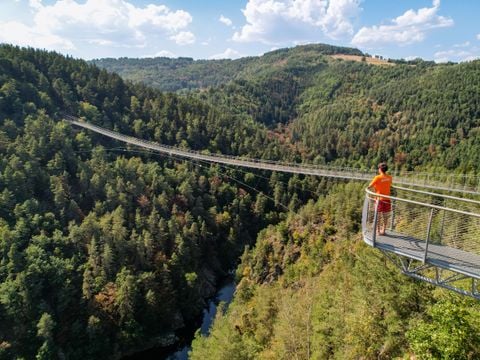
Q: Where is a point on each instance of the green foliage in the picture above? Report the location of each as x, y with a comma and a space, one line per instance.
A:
337, 299
102, 252
449, 331
187, 74
415, 115
411, 116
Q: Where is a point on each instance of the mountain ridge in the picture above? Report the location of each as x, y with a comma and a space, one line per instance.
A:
196, 74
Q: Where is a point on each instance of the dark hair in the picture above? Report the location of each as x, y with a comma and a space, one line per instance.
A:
383, 166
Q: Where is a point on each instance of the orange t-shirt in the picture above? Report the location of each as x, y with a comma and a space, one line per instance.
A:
382, 184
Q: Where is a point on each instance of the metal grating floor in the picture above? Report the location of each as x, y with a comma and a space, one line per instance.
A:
441, 256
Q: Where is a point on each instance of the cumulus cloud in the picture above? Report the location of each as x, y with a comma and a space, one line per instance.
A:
465, 44
412, 57
36, 4
19, 34
68, 24
457, 55
280, 21
406, 29
183, 38
164, 53
227, 54
225, 20
161, 53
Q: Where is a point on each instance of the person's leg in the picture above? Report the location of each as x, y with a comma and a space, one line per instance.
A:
385, 222
381, 222
378, 206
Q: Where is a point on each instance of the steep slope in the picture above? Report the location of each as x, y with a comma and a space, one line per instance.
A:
188, 74
424, 115
104, 250
415, 115
311, 289
102, 254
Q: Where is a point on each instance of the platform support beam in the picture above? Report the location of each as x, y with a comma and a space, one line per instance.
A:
427, 240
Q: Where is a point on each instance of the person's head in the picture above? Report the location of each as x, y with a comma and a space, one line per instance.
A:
383, 167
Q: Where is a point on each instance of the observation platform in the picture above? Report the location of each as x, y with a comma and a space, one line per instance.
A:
438, 255
429, 236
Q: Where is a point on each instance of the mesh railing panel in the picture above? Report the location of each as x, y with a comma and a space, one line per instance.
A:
453, 233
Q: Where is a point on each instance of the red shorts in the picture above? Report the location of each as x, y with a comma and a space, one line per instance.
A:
384, 205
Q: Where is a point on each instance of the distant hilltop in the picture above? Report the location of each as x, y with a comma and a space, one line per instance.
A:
185, 73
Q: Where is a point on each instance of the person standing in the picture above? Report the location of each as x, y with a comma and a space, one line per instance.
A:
382, 184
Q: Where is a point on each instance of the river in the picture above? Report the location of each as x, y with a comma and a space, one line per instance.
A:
180, 350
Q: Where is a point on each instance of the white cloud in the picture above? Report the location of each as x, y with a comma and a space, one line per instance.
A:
183, 38
412, 57
164, 53
161, 53
69, 24
227, 54
478, 36
19, 34
280, 21
225, 20
408, 28
471, 58
457, 55
101, 42
36, 4
462, 45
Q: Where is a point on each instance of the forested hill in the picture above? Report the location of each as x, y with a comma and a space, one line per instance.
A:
187, 74
311, 289
105, 250
413, 114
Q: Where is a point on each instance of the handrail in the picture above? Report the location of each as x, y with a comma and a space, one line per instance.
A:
373, 194
438, 237
437, 194
297, 168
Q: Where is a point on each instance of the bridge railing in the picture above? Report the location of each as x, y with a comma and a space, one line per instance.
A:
426, 227
465, 183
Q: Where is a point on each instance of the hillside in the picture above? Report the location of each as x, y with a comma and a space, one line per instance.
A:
414, 114
106, 250
311, 289
368, 59
187, 74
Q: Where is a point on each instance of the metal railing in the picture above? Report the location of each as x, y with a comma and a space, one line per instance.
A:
465, 184
432, 228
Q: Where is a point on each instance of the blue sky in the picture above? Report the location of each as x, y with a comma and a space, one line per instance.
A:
440, 30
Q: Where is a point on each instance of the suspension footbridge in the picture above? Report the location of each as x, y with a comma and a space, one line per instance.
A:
442, 182
431, 236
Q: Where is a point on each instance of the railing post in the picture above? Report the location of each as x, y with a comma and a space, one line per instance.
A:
442, 226
392, 222
375, 220
429, 227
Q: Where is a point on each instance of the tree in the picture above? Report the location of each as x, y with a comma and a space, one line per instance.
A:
449, 332
45, 329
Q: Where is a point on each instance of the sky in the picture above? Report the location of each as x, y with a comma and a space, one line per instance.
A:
439, 30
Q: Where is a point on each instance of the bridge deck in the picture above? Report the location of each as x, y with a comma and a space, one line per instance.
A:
295, 168
441, 256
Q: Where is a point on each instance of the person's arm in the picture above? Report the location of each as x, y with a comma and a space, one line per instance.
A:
373, 182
